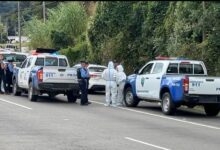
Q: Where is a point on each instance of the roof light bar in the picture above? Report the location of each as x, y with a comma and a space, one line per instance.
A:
170, 58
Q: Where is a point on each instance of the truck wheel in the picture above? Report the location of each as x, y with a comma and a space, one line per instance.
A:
168, 106
212, 109
129, 99
31, 97
16, 89
71, 97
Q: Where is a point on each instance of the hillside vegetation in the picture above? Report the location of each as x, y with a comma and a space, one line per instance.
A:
131, 32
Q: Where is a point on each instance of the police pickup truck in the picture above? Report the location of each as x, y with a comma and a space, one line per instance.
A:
45, 72
174, 82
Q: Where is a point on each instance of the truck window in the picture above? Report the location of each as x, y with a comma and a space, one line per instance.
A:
29, 62
186, 68
24, 64
51, 61
39, 62
158, 68
147, 69
172, 68
62, 62
96, 69
198, 69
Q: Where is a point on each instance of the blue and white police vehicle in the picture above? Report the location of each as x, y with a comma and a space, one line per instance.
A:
45, 72
174, 82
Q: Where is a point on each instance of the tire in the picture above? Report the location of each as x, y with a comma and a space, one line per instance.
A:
31, 97
168, 106
16, 89
51, 96
71, 97
90, 91
129, 99
212, 109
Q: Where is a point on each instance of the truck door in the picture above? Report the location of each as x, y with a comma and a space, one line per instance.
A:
155, 81
142, 80
27, 72
21, 74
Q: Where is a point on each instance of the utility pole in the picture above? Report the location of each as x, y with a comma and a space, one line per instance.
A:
203, 30
1, 29
44, 11
19, 25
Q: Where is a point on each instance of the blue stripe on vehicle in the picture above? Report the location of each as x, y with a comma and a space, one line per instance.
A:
175, 87
131, 80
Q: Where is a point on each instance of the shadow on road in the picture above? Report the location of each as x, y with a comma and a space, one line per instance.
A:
47, 99
97, 93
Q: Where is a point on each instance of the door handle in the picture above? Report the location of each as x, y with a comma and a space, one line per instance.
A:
158, 78
146, 78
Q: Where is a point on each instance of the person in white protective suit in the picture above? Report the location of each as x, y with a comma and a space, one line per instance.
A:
109, 75
120, 80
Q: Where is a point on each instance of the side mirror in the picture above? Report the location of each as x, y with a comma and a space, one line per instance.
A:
136, 71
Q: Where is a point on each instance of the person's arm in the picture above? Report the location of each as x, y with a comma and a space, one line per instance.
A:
10, 67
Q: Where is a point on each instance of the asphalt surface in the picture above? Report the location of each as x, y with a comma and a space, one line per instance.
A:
58, 125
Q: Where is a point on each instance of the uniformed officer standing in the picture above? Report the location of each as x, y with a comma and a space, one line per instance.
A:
83, 83
1, 73
8, 76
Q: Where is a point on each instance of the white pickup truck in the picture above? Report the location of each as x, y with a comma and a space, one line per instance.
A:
46, 73
174, 82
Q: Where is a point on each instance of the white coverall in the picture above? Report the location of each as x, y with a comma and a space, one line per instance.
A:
120, 80
109, 75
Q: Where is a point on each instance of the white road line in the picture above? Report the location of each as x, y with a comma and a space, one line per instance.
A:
152, 145
165, 117
15, 104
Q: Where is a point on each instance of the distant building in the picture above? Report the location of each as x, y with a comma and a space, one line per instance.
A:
15, 39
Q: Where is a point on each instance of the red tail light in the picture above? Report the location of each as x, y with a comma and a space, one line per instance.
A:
40, 75
186, 84
93, 75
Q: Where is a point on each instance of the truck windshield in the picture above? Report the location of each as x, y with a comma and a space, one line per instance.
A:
15, 57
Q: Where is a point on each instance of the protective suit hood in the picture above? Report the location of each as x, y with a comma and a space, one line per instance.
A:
120, 68
110, 65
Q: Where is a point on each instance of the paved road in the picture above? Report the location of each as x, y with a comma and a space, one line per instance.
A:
58, 125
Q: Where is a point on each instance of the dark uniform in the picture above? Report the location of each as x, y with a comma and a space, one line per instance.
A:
83, 76
8, 77
1, 75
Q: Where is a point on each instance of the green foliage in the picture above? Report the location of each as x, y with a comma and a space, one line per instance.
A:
62, 30
70, 19
3, 35
59, 39
135, 32
78, 52
39, 33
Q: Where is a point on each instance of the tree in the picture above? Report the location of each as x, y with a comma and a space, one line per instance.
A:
39, 33
70, 19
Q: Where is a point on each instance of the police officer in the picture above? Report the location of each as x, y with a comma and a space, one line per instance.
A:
1, 73
8, 76
83, 83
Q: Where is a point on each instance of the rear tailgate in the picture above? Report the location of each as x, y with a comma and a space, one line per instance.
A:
59, 75
204, 85
97, 77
